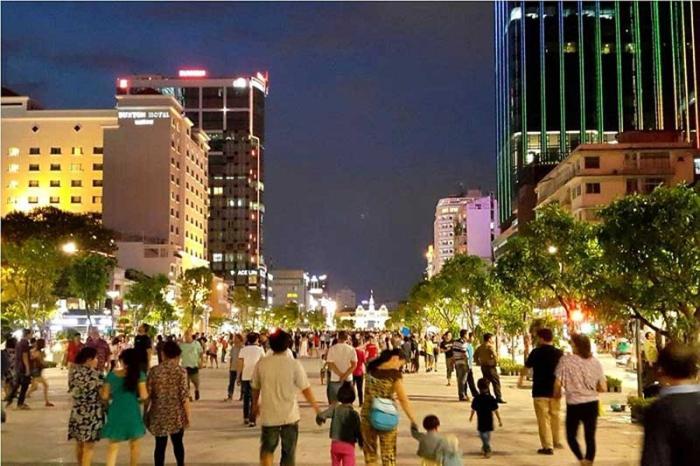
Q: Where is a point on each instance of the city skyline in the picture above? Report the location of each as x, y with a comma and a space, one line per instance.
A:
361, 140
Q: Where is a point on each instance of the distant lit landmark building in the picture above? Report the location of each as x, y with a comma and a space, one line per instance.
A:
51, 157
368, 317
569, 73
231, 110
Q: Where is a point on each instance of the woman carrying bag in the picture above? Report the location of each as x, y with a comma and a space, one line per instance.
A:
379, 417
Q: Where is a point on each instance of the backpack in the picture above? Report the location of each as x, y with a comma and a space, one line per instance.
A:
383, 414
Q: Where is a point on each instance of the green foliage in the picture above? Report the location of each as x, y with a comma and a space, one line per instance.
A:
613, 383
286, 317
195, 289
509, 367
88, 279
248, 303
29, 272
316, 319
147, 301
343, 324
651, 247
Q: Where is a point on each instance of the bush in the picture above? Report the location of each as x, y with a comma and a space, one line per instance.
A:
510, 367
614, 385
638, 406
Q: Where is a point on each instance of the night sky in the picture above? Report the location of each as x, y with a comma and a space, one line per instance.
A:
375, 109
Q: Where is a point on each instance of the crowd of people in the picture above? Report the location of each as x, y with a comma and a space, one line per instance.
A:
118, 393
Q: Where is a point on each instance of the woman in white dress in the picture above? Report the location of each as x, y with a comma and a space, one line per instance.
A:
304, 349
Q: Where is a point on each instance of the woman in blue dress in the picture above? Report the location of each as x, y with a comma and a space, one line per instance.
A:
125, 389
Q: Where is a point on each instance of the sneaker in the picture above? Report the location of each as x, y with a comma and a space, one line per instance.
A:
251, 424
196, 395
246, 422
545, 451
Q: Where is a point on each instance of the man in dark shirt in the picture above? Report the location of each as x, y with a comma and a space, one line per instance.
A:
543, 361
144, 346
672, 422
446, 347
461, 364
22, 371
486, 357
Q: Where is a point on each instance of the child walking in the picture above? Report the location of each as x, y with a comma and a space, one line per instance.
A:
345, 427
485, 406
435, 449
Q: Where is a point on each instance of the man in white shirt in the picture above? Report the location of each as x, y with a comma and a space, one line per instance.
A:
248, 357
341, 360
276, 381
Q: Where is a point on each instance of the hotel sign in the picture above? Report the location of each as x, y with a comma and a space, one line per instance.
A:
143, 118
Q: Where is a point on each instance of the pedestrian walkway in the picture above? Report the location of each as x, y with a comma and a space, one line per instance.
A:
218, 437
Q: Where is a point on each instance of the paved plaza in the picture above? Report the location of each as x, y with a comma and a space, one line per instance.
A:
217, 435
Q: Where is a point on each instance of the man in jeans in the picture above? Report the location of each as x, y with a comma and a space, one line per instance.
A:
191, 360
543, 361
276, 381
461, 364
341, 360
485, 356
248, 358
22, 371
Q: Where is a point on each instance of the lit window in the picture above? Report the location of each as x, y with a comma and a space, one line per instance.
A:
97, 183
13, 151
33, 199
33, 167
33, 183
77, 150
12, 184
54, 200
13, 168
34, 151
55, 151
217, 257
55, 183
75, 200
76, 167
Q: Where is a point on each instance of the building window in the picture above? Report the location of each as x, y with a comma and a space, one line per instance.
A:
217, 257
632, 186
97, 183
33, 199
55, 167
649, 184
54, 200
13, 151
76, 167
591, 162
76, 183
592, 188
75, 200
97, 199
33, 183
98, 150
55, 151
55, 183
97, 166
77, 150
33, 167
13, 168
34, 151
13, 184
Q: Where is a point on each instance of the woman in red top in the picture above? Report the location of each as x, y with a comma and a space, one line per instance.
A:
371, 348
358, 375
74, 347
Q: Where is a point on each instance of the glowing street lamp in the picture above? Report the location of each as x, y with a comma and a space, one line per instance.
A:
551, 249
69, 248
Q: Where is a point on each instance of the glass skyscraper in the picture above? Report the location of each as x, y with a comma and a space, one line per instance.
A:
569, 73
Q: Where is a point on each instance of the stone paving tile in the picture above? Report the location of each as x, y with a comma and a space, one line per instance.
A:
217, 436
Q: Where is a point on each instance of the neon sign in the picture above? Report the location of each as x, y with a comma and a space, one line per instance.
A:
192, 73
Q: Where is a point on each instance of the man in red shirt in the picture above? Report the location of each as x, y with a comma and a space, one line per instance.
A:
371, 348
358, 375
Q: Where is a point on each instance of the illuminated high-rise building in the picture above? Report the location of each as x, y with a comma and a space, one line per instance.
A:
569, 73
231, 110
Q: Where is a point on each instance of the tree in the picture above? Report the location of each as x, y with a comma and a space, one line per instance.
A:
554, 258
195, 289
88, 279
316, 319
343, 324
286, 316
651, 248
29, 272
56, 226
248, 303
147, 300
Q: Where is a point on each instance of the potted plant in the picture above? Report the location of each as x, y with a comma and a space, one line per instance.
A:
614, 384
638, 406
510, 367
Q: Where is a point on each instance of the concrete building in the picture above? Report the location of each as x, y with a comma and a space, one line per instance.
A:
290, 287
345, 298
231, 110
594, 175
463, 225
51, 157
156, 186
